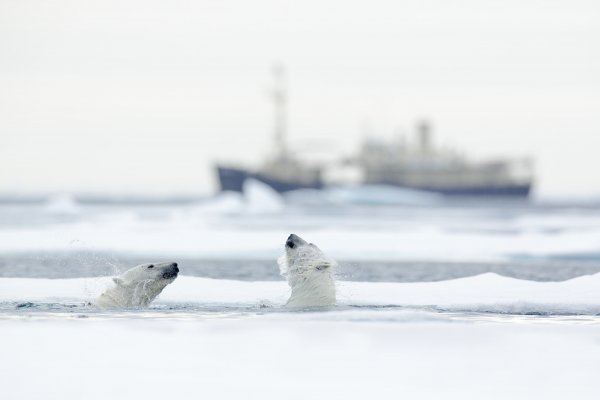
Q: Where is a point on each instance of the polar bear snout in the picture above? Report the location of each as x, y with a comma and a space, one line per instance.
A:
293, 241
170, 271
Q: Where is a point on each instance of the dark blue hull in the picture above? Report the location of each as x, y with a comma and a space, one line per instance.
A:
232, 179
514, 190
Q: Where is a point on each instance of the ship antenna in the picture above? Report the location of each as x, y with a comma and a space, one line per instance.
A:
280, 100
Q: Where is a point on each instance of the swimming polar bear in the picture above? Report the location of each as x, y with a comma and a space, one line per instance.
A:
138, 286
309, 272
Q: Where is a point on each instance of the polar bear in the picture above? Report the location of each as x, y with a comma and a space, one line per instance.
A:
309, 272
138, 286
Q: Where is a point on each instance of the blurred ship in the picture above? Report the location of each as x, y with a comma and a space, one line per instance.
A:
423, 166
417, 166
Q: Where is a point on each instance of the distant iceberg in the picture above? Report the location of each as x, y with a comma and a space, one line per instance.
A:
62, 204
260, 198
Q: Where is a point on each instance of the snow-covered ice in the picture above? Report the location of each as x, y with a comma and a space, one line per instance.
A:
296, 356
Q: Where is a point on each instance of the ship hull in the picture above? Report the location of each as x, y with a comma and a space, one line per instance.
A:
478, 191
232, 179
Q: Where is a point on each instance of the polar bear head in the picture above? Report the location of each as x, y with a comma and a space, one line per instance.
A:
138, 286
309, 272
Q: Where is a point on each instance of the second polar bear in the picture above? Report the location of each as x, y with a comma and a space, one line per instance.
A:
309, 272
138, 286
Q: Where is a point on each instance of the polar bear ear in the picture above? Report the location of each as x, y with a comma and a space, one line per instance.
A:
322, 266
119, 281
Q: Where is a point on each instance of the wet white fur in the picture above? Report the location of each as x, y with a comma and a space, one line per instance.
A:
136, 287
310, 275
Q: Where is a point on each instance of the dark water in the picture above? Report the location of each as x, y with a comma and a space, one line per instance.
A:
79, 265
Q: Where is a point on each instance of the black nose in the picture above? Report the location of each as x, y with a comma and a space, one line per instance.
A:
175, 267
290, 241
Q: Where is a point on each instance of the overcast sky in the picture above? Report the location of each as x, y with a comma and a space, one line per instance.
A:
143, 96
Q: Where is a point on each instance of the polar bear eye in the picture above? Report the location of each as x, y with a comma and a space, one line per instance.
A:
150, 266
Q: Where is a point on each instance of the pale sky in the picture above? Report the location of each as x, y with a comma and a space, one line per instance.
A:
143, 96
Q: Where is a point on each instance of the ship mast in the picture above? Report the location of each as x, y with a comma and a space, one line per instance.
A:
279, 96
